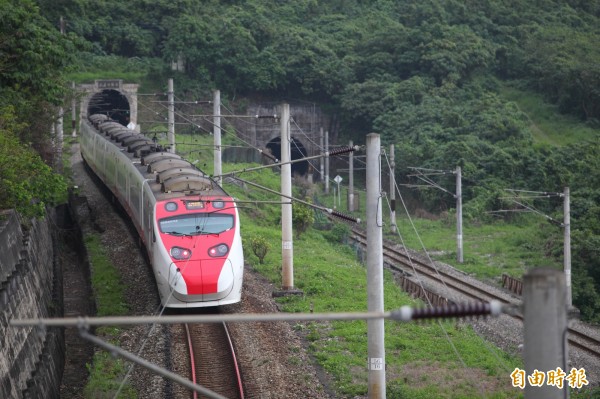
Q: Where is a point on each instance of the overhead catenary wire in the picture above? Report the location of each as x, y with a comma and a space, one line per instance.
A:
327, 154
428, 257
333, 212
190, 121
135, 359
432, 263
405, 313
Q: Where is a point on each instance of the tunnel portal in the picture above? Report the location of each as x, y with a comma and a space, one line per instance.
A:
297, 151
112, 103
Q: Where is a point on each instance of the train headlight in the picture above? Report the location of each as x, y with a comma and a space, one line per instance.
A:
171, 206
218, 250
180, 253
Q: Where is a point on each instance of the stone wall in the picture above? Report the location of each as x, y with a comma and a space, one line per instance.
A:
31, 359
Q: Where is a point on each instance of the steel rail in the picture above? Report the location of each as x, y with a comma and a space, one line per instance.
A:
215, 346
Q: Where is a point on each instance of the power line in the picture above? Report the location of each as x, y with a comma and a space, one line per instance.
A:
405, 313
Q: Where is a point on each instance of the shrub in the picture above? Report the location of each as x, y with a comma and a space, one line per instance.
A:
339, 233
260, 247
302, 218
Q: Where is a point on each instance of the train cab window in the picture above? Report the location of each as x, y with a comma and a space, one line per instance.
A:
196, 224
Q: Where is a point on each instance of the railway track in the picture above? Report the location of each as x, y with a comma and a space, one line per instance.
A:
213, 361
401, 262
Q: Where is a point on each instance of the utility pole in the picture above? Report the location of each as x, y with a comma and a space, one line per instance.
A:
171, 117
567, 244
59, 139
566, 224
73, 111
375, 327
351, 179
217, 133
545, 324
459, 227
392, 189
326, 163
423, 174
287, 243
322, 159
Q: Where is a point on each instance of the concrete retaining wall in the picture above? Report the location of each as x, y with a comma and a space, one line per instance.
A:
31, 359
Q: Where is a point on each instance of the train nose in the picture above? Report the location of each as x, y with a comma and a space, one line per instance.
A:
211, 278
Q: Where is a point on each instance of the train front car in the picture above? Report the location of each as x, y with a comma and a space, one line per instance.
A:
201, 249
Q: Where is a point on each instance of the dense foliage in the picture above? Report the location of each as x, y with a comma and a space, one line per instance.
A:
427, 75
33, 56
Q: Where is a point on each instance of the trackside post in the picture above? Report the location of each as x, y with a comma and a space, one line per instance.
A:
375, 328
545, 331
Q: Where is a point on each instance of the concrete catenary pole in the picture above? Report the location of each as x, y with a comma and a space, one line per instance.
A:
351, 179
567, 244
322, 159
545, 325
59, 139
375, 328
327, 163
171, 117
287, 243
392, 189
73, 110
459, 227
217, 134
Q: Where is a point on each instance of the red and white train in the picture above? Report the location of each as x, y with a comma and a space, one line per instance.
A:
188, 224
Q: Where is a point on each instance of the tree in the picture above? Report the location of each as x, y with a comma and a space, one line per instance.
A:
26, 182
302, 218
33, 58
564, 63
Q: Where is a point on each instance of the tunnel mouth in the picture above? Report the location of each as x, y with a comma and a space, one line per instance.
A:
111, 103
297, 151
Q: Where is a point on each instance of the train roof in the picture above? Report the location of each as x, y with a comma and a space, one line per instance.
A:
169, 175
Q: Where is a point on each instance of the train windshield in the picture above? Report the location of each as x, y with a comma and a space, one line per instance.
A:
196, 224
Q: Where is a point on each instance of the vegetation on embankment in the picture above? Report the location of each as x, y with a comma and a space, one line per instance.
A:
106, 372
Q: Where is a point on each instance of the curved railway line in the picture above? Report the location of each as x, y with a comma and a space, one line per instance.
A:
213, 362
401, 262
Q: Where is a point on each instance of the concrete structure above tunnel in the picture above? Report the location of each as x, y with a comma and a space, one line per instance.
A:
263, 132
110, 97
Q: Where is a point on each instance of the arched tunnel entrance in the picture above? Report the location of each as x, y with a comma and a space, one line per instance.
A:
112, 103
297, 151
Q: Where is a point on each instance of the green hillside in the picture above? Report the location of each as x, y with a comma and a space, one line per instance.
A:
547, 125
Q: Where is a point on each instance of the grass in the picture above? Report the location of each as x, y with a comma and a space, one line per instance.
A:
548, 126
108, 290
488, 250
106, 371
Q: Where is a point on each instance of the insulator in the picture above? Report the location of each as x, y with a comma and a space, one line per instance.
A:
271, 157
345, 217
406, 313
342, 150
